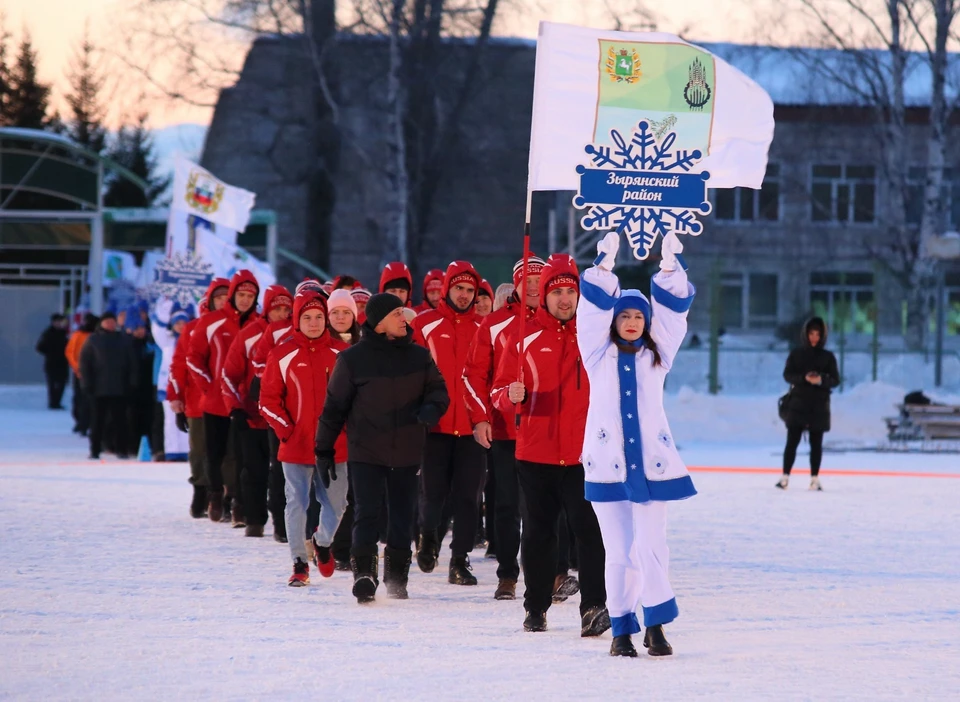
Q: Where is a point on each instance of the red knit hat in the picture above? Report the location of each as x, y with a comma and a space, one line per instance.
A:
560, 271
277, 296
307, 300
534, 267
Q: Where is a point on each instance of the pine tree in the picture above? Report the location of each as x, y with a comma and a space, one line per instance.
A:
85, 122
5, 87
133, 149
27, 106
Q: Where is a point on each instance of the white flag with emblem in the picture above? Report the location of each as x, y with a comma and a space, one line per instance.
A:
198, 192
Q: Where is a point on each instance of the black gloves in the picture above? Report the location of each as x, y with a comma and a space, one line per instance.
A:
238, 415
428, 415
182, 423
327, 469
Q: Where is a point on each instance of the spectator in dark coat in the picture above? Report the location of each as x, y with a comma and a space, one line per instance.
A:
108, 372
812, 373
52, 345
387, 392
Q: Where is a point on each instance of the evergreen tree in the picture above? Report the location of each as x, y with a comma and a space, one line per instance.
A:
133, 149
5, 87
85, 121
28, 96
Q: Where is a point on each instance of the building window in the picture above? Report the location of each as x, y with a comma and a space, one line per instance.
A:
950, 194
748, 205
843, 300
748, 300
844, 194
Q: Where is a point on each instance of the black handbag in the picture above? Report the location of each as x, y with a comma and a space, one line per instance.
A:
782, 404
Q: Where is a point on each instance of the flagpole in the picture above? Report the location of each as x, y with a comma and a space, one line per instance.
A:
522, 293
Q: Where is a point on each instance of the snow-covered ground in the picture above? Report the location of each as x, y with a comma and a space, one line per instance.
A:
108, 590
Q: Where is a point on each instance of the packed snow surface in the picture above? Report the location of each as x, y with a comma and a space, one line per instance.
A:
108, 590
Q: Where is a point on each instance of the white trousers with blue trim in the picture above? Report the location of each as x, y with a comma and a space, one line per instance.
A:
635, 540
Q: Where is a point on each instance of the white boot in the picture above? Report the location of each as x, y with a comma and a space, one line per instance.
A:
783, 482
815, 484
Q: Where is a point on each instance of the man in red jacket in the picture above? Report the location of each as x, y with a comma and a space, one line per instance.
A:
241, 390
186, 397
292, 396
552, 398
432, 291
454, 465
496, 430
397, 279
209, 344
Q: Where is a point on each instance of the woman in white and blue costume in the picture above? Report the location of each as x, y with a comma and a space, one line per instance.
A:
631, 463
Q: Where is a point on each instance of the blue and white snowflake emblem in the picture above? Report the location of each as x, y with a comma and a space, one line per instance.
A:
602, 436
664, 438
184, 278
642, 188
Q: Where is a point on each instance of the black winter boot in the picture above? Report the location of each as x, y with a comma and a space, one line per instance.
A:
198, 507
594, 621
396, 571
215, 506
460, 571
364, 560
428, 551
655, 642
535, 621
623, 646
227, 516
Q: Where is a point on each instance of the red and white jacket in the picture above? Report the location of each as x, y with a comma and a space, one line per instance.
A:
481, 367
448, 335
293, 390
395, 271
272, 336
432, 277
211, 340
553, 417
180, 385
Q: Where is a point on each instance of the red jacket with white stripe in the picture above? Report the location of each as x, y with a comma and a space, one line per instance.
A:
210, 342
180, 385
448, 335
272, 336
554, 415
292, 393
481, 367
238, 373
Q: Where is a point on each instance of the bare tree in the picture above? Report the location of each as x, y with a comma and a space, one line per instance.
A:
869, 61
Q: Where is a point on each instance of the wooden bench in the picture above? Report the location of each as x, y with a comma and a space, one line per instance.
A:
924, 423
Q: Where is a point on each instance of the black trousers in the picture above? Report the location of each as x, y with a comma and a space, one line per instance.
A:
547, 490
81, 407
254, 474
217, 434
454, 468
490, 506
369, 483
508, 504
108, 421
156, 431
343, 539
276, 498
56, 384
140, 418
794, 434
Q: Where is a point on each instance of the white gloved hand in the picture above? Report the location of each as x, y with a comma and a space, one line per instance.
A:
669, 249
607, 249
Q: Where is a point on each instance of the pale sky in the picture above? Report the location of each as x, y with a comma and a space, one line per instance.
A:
57, 27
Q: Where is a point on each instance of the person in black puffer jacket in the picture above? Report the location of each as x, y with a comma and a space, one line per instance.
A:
812, 373
387, 392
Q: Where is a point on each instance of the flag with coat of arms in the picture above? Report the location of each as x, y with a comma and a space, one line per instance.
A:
200, 193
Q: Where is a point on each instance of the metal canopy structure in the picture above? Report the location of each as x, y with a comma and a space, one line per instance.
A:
46, 177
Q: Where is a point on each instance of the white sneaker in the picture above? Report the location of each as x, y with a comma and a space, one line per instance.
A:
783, 482
815, 484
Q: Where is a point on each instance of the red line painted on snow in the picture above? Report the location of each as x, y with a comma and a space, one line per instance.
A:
831, 471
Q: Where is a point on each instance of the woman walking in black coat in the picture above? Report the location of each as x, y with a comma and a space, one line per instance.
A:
812, 372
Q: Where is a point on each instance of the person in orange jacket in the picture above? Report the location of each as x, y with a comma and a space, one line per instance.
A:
454, 465
292, 395
81, 403
552, 399
241, 390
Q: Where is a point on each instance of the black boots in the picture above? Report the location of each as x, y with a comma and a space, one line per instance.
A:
594, 621
535, 621
364, 560
655, 642
428, 551
460, 571
198, 506
396, 571
255, 530
623, 646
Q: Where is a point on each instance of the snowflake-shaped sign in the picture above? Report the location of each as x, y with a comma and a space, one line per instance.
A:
184, 277
642, 188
